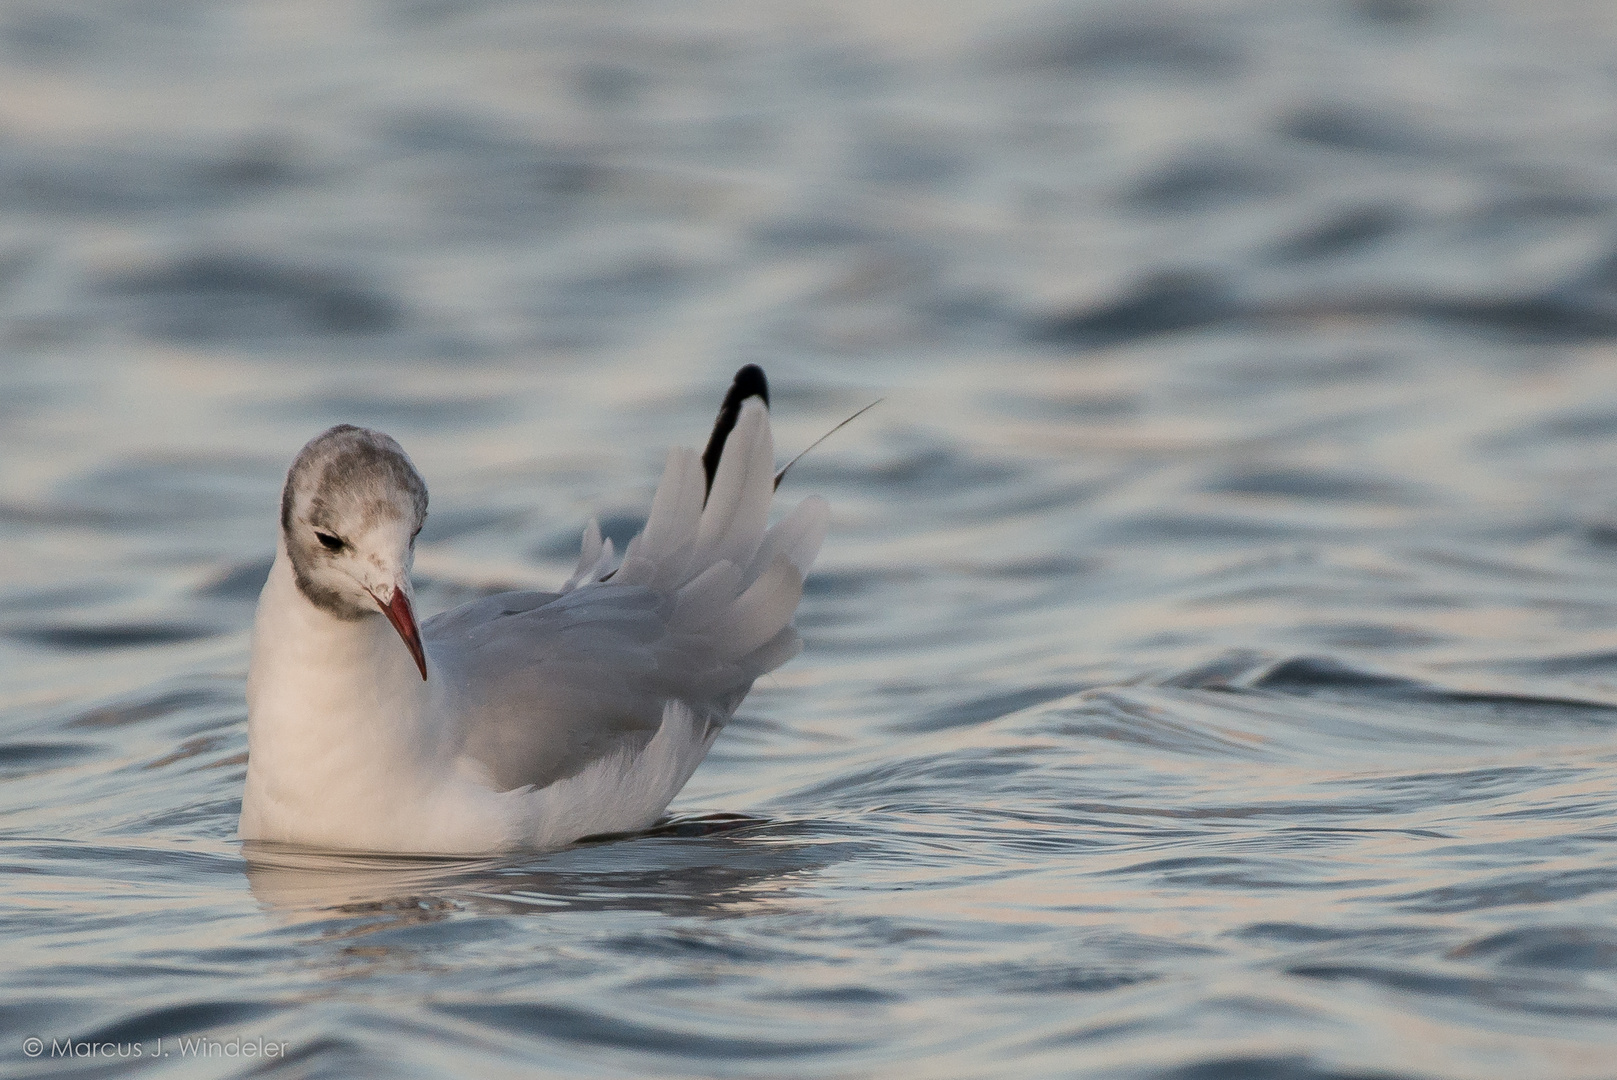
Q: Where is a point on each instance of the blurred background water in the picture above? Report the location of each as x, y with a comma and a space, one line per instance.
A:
1211, 672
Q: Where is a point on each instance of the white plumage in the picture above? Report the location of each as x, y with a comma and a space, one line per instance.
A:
535, 718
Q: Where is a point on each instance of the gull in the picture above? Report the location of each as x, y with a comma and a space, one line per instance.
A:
523, 720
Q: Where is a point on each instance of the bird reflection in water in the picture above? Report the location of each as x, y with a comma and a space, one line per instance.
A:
707, 866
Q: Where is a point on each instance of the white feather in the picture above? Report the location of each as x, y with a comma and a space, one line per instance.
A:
762, 611
738, 506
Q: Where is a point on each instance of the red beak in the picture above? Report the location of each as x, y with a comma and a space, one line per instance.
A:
403, 619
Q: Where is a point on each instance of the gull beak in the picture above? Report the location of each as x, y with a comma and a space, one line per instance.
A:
400, 614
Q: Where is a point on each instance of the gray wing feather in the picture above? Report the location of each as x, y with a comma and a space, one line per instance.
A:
544, 686
701, 605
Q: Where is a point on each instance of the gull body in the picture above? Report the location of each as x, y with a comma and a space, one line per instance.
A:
524, 720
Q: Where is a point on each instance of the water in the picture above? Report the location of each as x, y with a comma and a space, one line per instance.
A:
1211, 671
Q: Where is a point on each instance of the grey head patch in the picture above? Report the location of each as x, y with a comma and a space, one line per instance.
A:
343, 483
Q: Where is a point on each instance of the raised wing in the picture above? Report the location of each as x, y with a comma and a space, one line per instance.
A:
700, 606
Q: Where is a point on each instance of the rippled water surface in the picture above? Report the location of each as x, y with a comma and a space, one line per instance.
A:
1211, 671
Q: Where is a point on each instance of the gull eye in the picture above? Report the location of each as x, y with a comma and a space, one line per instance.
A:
332, 543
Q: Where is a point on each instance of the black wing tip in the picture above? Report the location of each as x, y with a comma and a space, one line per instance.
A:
749, 382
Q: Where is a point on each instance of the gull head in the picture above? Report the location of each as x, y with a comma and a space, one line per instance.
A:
350, 511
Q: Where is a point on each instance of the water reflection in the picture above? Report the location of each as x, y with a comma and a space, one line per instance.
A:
710, 866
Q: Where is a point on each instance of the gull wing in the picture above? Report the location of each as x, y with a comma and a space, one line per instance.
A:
699, 607
544, 684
